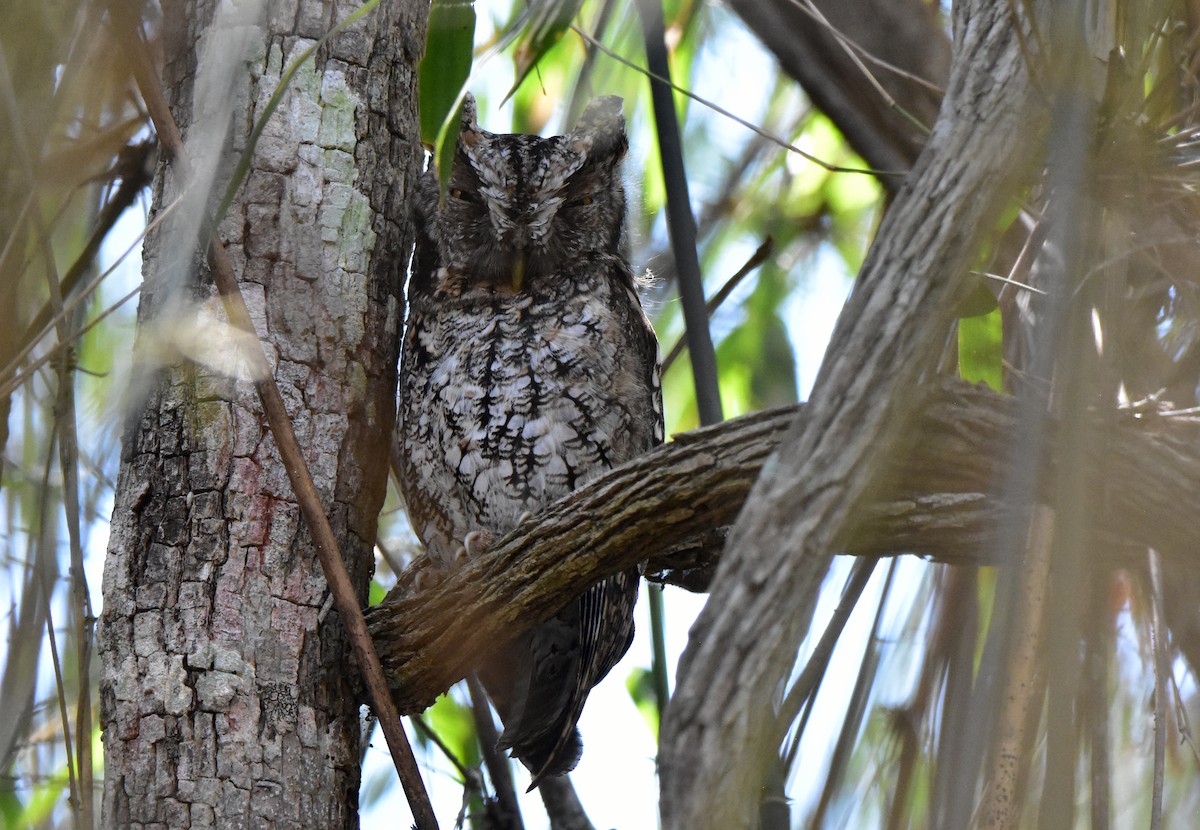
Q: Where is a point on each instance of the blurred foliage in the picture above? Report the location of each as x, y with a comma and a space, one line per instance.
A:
72, 159
981, 349
640, 685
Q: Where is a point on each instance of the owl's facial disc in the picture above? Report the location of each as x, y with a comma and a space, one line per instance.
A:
523, 208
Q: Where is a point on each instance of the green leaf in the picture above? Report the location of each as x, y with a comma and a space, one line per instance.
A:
375, 593
551, 19
980, 349
455, 725
640, 684
449, 52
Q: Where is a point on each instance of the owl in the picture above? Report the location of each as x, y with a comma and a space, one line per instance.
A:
528, 368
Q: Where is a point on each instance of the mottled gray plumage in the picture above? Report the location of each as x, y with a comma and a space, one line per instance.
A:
529, 368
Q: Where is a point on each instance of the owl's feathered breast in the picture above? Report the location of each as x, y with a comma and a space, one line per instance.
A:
513, 399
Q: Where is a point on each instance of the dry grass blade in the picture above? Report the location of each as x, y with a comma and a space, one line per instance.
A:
1162, 675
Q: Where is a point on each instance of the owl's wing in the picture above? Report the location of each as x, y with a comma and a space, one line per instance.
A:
582, 643
540, 732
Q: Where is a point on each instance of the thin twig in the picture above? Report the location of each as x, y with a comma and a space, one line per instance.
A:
756, 259
47, 589
1096, 702
658, 649
425, 729
856, 708
814, 669
681, 224
112, 211
1162, 670
749, 125
279, 421
850, 52
850, 45
9, 371
495, 761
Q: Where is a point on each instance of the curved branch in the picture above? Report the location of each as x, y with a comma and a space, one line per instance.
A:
673, 506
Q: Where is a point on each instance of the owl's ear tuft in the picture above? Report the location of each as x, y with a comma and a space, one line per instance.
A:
600, 130
469, 132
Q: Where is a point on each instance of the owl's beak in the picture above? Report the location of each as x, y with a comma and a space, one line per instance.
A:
518, 270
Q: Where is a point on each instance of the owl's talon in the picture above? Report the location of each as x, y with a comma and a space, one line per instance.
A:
524, 517
475, 543
428, 578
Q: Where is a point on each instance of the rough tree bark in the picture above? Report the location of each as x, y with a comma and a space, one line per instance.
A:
719, 733
226, 695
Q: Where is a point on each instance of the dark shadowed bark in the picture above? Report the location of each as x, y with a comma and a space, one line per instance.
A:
226, 694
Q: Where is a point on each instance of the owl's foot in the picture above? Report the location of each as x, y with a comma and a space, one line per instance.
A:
474, 543
429, 577
524, 517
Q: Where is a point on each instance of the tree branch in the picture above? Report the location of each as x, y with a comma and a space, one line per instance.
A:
674, 506
717, 737
838, 50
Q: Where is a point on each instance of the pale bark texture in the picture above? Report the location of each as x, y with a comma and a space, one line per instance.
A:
720, 733
227, 697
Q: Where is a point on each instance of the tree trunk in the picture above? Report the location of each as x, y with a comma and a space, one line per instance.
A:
226, 691
719, 733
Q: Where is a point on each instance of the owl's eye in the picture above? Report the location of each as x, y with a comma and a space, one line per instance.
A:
462, 195
583, 201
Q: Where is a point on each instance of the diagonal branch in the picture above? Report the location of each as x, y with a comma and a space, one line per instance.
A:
716, 744
673, 506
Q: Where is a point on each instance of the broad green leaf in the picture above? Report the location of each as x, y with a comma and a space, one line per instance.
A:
449, 51
980, 349
376, 593
454, 724
640, 684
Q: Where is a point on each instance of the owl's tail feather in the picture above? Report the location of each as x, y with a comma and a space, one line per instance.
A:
544, 738
545, 759
531, 685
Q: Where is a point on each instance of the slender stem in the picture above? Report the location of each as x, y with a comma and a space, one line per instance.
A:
681, 225
1162, 672
756, 259
497, 765
658, 654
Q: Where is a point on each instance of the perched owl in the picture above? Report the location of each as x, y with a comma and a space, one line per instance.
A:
529, 368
